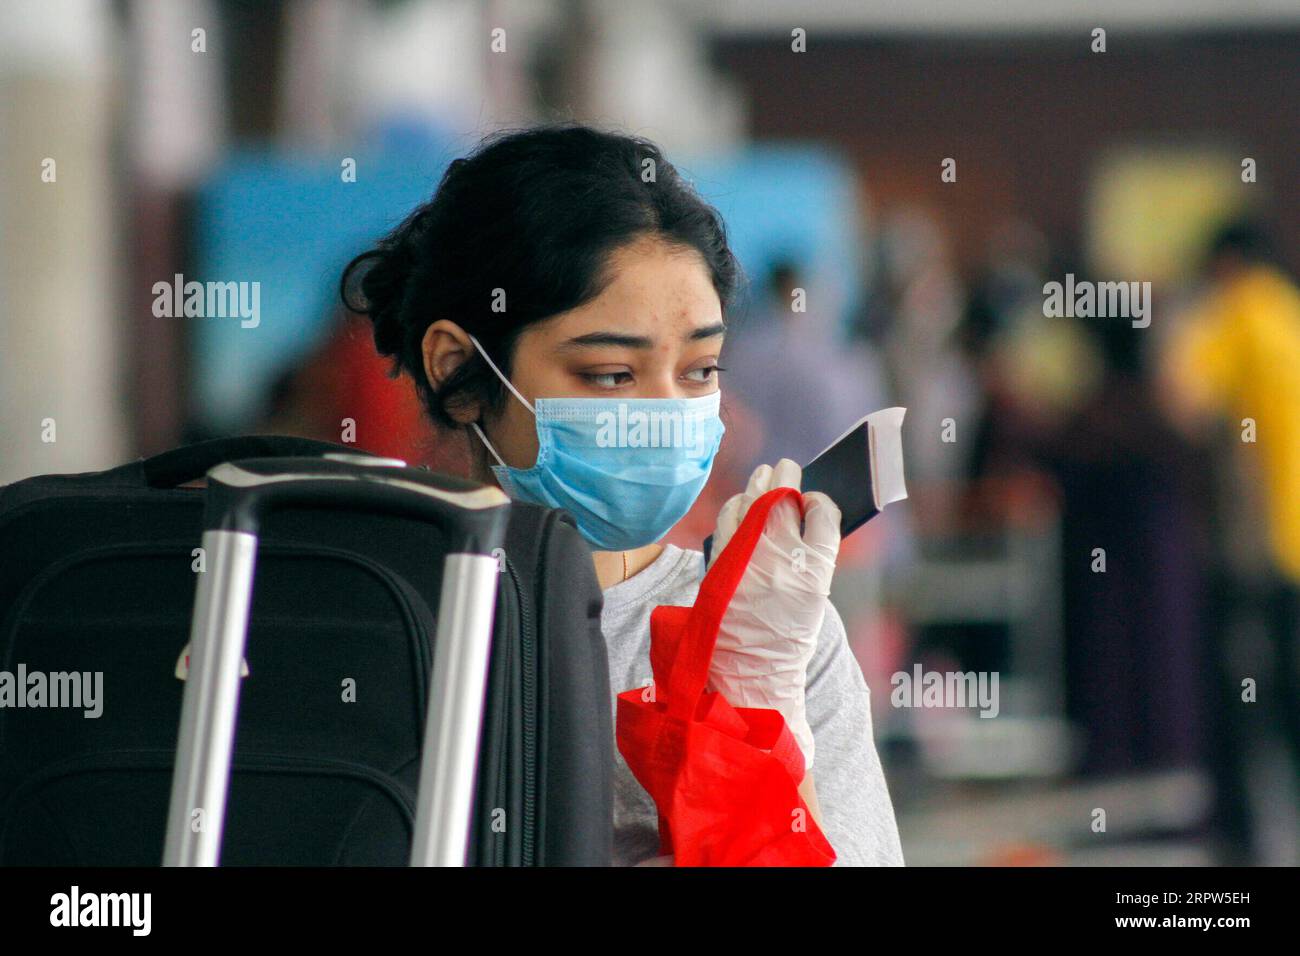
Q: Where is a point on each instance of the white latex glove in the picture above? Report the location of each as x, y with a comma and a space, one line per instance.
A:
769, 632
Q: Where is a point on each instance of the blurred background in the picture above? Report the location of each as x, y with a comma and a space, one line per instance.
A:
1106, 516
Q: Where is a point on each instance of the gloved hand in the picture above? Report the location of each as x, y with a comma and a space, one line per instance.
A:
769, 632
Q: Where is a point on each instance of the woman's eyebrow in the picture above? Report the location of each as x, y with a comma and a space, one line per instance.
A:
597, 339
623, 340
707, 331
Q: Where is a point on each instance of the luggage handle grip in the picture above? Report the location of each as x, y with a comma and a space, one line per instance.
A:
191, 462
239, 498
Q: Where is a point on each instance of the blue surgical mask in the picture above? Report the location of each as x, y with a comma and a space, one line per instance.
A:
627, 469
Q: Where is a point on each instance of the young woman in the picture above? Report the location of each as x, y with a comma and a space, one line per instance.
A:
563, 288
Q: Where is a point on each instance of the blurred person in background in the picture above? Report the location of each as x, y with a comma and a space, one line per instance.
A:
929, 372
1135, 650
1237, 353
794, 386
1069, 412
801, 385
1233, 361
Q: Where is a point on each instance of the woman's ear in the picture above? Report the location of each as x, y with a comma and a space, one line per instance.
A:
446, 347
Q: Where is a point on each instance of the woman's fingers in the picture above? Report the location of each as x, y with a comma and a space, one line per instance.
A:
821, 516
783, 522
821, 522
759, 482
737, 506
729, 520
786, 474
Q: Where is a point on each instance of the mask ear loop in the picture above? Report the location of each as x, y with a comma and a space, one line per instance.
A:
483, 438
488, 444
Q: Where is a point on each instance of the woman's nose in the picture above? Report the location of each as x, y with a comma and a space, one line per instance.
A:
666, 387
662, 377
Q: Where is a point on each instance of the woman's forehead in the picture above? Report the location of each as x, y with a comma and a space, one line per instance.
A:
655, 295
607, 327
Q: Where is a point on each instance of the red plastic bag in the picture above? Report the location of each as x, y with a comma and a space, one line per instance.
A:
725, 779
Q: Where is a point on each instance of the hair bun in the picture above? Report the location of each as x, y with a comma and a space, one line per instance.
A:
384, 278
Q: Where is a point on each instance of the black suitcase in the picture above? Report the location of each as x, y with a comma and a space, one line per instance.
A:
96, 576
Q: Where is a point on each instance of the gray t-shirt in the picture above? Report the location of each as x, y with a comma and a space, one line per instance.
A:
857, 814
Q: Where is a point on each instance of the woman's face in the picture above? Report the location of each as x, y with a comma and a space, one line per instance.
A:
654, 332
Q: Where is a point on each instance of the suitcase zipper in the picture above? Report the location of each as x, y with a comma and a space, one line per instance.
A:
528, 667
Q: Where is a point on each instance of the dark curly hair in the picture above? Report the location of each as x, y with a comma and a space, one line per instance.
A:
536, 213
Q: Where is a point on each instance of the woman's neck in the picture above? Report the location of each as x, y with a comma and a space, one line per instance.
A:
610, 565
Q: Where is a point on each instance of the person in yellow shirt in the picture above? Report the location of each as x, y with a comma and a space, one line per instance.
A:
1238, 353
1235, 355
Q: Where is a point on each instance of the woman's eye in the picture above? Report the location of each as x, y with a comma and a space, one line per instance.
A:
608, 379
706, 374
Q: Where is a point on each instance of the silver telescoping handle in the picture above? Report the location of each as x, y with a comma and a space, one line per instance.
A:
204, 744
238, 495
453, 724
